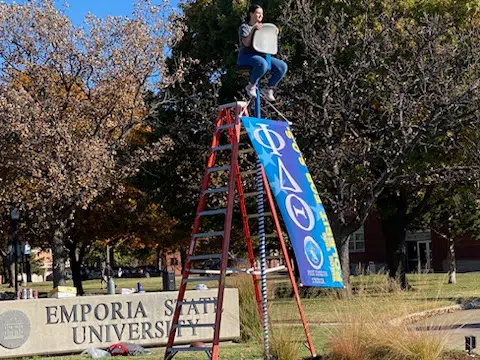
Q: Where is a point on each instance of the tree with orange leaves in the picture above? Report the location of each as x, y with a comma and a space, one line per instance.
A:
71, 100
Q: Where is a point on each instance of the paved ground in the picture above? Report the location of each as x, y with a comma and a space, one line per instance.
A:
455, 326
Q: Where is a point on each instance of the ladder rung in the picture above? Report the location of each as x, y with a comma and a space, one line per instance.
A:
225, 126
176, 326
202, 279
246, 151
208, 234
211, 272
212, 212
243, 132
189, 348
233, 105
222, 147
218, 168
253, 216
216, 190
267, 236
248, 172
205, 257
267, 271
197, 302
250, 194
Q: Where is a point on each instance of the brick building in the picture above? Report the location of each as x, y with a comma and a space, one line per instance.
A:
426, 250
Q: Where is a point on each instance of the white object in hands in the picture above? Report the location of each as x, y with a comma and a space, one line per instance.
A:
265, 40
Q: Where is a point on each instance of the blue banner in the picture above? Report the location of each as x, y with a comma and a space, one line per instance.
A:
298, 200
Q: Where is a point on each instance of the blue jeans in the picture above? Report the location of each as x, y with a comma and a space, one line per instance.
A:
259, 68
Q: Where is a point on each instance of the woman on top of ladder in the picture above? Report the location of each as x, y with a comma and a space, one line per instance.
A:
247, 56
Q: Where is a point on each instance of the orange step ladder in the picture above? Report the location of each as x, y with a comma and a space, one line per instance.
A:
228, 125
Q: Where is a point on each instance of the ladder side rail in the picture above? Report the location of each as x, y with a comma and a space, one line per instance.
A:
291, 275
227, 234
247, 233
196, 226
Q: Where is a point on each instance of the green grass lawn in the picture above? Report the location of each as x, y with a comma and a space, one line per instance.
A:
429, 291
245, 351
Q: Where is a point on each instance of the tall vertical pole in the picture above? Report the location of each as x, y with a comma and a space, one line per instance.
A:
15, 249
262, 245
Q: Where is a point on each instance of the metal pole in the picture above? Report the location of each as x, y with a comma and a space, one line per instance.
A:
108, 269
15, 249
261, 235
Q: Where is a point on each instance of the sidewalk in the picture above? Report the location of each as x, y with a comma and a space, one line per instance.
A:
455, 326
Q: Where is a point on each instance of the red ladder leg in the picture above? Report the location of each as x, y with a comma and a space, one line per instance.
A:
288, 264
227, 231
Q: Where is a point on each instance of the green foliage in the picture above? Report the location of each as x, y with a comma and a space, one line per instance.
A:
457, 212
367, 89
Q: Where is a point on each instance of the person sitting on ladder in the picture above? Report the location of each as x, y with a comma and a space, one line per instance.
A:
247, 56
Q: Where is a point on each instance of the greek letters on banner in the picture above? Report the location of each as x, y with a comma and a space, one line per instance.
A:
298, 200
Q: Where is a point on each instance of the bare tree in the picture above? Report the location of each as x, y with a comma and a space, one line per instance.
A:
370, 88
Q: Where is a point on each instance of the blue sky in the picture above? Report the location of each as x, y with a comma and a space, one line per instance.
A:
79, 8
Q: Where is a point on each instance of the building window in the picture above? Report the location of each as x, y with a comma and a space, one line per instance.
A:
356, 242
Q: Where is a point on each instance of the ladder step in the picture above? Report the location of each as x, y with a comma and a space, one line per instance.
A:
233, 105
225, 126
246, 151
243, 132
216, 190
208, 234
267, 271
205, 257
253, 216
211, 272
202, 279
189, 348
218, 168
197, 302
267, 236
248, 172
250, 194
222, 147
212, 212
176, 326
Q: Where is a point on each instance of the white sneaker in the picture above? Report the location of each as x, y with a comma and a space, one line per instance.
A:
268, 93
251, 90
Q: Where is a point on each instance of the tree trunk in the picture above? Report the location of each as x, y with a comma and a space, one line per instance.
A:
112, 256
160, 263
183, 257
59, 257
394, 229
77, 275
11, 275
76, 259
344, 255
394, 232
452, 266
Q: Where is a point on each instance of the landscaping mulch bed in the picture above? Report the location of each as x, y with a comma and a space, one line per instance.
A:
459, 356
455, 355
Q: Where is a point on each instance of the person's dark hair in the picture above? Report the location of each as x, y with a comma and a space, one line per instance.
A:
251, 9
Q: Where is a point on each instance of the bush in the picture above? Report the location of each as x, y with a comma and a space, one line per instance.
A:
371, 335
285, 343
250, 327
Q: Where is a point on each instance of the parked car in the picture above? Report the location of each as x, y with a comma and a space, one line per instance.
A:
214, 264
146, 271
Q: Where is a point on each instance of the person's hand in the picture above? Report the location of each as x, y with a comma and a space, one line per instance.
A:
258, 26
